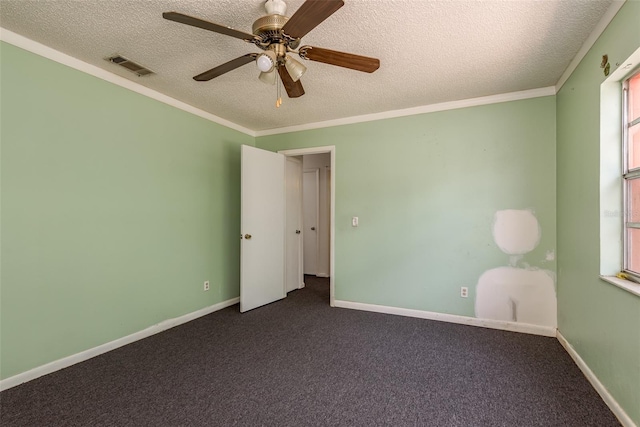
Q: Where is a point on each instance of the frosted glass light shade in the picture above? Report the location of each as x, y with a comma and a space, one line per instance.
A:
269, 77
295, 68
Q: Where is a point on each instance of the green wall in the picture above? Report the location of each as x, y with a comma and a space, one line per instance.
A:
601, 321
425, 189
115, 209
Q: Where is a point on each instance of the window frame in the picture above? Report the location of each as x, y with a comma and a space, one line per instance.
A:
628, 175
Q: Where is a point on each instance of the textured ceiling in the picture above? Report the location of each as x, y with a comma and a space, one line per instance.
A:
430, 51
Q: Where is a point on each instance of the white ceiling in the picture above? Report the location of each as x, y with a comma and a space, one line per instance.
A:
430, 51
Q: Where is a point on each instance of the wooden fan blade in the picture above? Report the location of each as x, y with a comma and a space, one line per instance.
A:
294, 89
196, 22
226, 67
341, 59
309, 15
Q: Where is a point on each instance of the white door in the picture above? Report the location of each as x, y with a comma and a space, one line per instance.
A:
310, 192
262, 221
293, 228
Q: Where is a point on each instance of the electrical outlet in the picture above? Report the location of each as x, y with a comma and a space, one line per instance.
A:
464, 292
206, 285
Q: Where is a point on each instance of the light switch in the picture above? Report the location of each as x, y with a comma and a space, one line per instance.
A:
354, 221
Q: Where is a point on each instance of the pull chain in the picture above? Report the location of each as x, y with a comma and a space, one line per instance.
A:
278, 91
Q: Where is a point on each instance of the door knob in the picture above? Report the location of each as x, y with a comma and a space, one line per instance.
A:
247, 236
297, 231
313, 229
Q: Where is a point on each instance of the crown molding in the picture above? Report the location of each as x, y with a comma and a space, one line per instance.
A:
62, 58
590, 41
432, 108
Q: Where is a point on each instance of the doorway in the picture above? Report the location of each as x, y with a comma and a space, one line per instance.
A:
316, 213
320, 162
293, 224
310, 215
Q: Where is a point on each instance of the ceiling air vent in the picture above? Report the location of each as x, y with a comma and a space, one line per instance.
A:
129, 65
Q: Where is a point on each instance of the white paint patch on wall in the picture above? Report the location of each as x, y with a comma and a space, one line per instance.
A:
516, 232
513, 294
517, 295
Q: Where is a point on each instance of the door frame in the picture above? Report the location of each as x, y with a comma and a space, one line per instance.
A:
300, 272
332, 226
315, 171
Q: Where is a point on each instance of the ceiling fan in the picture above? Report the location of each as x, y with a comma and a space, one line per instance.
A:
278, 35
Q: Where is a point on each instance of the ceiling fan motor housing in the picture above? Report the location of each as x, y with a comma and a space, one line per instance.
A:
269, 30
268, 27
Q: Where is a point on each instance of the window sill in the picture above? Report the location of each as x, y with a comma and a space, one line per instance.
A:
627, 285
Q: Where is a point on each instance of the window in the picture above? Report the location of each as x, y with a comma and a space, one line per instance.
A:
631, 175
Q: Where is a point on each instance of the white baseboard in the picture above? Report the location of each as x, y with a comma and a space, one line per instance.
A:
617, 410
56, 365
526, 328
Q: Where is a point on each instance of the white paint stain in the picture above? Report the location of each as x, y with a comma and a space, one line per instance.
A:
515, 294
550, 256
514, 260
516, 232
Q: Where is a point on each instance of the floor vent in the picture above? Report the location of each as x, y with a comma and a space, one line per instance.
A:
129, 65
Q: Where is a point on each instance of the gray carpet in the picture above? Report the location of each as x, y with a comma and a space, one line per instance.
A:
298, 362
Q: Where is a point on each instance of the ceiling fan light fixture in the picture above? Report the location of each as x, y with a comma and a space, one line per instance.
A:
266, 61
295, 68
268, 77
276, 34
